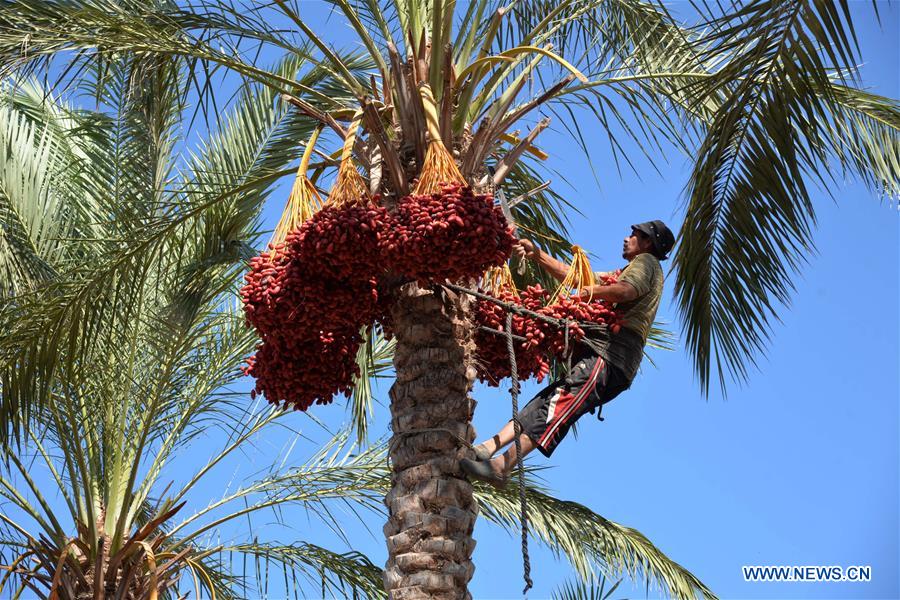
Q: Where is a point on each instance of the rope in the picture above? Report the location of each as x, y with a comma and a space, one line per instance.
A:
513, 308
517, 338
517, 428
516, 309
399, 434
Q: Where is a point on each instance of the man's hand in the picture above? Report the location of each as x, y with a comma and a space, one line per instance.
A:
525, 249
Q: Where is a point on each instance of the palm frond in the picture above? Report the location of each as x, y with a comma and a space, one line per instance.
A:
29, 162
661, 338
49, 191
750, 216
586, 590
81, 137
588, 540
90, 34
863, 136
329, 573
374, 357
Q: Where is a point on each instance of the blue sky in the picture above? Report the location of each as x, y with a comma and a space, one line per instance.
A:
798, 467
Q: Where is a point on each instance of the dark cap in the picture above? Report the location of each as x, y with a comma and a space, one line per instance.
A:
660, 235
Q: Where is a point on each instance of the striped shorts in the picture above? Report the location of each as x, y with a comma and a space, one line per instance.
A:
547, 418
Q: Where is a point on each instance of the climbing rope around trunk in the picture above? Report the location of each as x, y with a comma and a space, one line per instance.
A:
519, 310
514, 395
517, 429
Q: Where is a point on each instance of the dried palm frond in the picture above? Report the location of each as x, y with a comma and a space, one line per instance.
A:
350, 187
439, 168
304, 200
580, 275
499, 279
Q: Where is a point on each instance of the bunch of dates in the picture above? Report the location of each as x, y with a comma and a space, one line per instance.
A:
542, 340
301, 372
342, 242
449, 235
309, 298
492, 364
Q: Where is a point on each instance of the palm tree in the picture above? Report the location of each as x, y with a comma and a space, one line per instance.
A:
86, 511
86, 507
763, 96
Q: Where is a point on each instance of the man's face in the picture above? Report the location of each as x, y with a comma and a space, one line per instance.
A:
636, 243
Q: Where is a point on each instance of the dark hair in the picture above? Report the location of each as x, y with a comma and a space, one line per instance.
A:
646, 238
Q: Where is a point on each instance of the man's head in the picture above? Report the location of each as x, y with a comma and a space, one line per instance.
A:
653, 237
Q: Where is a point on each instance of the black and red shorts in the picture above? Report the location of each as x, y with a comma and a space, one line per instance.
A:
591, 382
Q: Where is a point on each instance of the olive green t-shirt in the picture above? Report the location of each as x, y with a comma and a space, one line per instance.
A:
626, 348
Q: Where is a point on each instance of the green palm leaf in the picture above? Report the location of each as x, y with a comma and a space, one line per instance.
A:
375, 357
749, 220
588, 540
334, 574
29, 161
581, 590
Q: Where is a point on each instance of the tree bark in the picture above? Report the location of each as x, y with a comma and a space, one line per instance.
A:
431, 510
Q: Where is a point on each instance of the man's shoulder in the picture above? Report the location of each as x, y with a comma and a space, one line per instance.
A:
645, 262
648, 259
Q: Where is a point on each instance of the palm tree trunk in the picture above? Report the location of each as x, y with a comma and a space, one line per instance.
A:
431, 511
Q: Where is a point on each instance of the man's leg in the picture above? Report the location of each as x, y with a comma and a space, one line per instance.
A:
504, 463
528, 414
500, 439
496, 470
545, 420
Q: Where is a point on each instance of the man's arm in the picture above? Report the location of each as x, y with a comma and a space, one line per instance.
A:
634, 282
616, 292
525, 249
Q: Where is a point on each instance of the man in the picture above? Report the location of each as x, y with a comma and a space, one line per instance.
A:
605, 363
